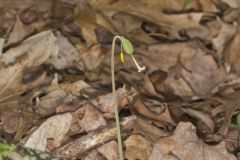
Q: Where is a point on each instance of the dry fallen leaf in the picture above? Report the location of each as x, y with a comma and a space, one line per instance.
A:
105, 103
201, 116
77, 88
32, 52
137, 147
91, 57
199, 75
93, 155
164, 117
54, 128
182, 44
109, 150
232, 140
232, 3
165, 56
8, 18
177, 85
225, 34
204, 74
148, 130
18, 32
9, 121
68, 55
47, 104
184, 142
89, 118
231, 52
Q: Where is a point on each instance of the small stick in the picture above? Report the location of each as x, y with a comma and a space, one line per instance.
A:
94, 139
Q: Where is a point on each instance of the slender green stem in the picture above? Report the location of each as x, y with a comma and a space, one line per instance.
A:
120, 148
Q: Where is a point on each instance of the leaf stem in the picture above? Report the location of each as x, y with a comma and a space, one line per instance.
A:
119, 139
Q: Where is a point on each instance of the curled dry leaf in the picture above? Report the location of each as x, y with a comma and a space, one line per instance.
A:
137, 147
203, 117
184, 142
37, 49
77, 88
89, 118
148, 88
183, 69
47, 104
32, 52
164, 117
105, 103
54, 128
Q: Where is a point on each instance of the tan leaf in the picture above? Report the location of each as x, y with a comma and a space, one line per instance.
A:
32, 52
148, 130
137, 147
67, 56
54, 128
232, 53
165, 56
109, 150
204, 74
184, 142
164, 117
105, 102
89, 118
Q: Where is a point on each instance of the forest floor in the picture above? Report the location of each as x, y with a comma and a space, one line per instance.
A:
56, 90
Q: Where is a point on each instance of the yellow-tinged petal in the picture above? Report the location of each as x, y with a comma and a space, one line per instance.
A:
122, 57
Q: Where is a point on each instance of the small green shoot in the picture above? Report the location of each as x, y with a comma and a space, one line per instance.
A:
128, 48
5, 149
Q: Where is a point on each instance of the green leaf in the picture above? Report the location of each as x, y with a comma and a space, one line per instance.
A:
127, 45
238, 120
233, 126
4, 148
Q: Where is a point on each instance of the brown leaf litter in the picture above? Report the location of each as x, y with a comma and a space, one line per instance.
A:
55, 78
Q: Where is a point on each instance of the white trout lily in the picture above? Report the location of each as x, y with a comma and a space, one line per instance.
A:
140, 69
